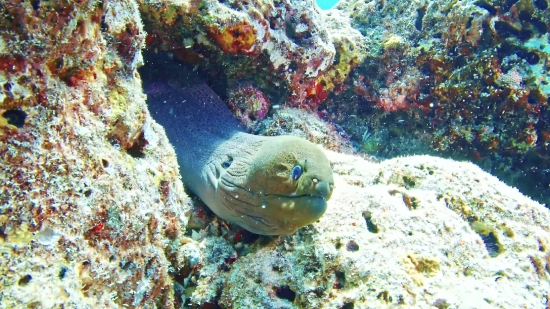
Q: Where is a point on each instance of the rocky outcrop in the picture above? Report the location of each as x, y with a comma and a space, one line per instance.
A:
93, 212
91, 204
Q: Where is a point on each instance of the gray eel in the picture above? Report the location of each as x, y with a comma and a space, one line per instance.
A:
268, 185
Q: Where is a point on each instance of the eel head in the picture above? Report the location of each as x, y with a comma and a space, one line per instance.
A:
288, 183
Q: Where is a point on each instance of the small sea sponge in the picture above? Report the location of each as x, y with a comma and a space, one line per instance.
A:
481, 227
235, 39
248, 104
394, 41
419, 266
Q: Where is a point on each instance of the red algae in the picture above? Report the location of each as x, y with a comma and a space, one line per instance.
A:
235, 39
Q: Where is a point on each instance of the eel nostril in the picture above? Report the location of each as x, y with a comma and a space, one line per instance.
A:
315, 181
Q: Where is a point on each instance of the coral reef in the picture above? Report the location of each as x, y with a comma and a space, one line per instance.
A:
248, 104
290, 50
461, 79
93, 212
91, 205
404, 232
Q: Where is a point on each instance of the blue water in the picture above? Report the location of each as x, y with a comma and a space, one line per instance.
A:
326, 4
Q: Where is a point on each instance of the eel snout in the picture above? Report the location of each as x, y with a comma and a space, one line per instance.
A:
323, 189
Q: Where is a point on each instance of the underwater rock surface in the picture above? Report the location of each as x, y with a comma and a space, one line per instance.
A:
91, 200
290, 50
461, 79
93, 213
407, 231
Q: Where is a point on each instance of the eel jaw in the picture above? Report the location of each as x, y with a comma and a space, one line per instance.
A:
279, 215
290, 213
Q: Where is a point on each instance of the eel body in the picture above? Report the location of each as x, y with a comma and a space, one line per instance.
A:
267, 185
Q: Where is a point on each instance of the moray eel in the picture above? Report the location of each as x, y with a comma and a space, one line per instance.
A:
267, 185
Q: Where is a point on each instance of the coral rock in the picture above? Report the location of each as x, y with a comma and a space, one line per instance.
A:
235, 39
288, 49
248, 104
397, 233
91, 204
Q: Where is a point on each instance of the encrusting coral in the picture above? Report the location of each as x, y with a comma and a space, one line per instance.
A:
463, 79
284, 47
93, 213
248, 104
91, 205
398, 233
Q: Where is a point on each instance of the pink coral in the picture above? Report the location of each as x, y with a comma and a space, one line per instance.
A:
400, 94
248, 104
390, 104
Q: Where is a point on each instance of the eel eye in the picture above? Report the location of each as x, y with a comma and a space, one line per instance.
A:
296, 172
227, 162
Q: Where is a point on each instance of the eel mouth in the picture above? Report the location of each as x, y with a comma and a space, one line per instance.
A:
272, 214
304, 209
298, 196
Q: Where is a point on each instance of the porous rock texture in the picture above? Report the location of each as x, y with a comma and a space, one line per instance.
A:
305, 124
465, 79
91, 202
290, 50
93, 213
397, 233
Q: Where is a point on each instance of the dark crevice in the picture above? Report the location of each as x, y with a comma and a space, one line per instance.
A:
539, 25
8, 86
25, 280
507, 49
409, 182
137, 149
352, 246
529, 56
35, 4
541, 4
419, 18
534, 97
15, 117
340, 282
285, 292
63, 272
348, 305
505, 30
491, 243
370, 226
484, 5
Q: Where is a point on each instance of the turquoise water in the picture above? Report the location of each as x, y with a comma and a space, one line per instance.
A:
326, 4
